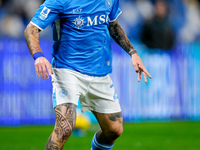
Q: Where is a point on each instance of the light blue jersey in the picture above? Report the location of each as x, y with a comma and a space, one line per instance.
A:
80, 32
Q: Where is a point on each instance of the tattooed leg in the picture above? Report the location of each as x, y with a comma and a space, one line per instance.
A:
111, 127
65, 122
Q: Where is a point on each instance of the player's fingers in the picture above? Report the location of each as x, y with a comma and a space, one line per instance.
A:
37, 71
50, 70
45, 71
145, 71
139, 76
136, 68
41, 72
145, 77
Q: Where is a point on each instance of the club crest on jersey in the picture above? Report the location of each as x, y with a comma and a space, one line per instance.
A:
79, 22
108, 3
44, 13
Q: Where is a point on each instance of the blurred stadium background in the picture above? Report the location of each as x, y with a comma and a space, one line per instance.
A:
172, 96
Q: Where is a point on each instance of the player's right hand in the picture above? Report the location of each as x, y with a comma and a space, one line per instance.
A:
43, 67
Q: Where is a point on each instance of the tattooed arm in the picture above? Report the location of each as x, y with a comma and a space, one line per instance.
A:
121, 39
32, 38
117, 33
42, 65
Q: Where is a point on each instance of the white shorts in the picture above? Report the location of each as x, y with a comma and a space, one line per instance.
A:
95, 93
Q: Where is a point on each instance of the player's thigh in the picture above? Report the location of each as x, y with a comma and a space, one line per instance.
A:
65, 116
110, 123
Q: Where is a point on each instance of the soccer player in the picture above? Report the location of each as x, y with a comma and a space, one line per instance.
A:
82, 61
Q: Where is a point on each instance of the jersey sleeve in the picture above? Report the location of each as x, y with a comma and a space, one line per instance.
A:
115, 12
47, 13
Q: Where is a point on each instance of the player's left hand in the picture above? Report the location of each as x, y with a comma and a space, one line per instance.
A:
139, 67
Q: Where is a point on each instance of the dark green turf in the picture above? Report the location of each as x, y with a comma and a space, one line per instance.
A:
139, 136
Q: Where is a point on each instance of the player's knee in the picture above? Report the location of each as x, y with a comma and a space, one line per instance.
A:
114, 131
63, 134
119, 131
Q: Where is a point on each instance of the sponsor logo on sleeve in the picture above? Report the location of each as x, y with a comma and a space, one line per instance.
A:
44, 13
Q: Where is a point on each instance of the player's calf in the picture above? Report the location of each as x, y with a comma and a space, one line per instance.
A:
111, 129
65, 122
105, 140
112, 133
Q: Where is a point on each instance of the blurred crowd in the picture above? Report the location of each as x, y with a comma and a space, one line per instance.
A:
15, 15
182, 15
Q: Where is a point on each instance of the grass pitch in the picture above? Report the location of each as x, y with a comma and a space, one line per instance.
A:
136, 136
